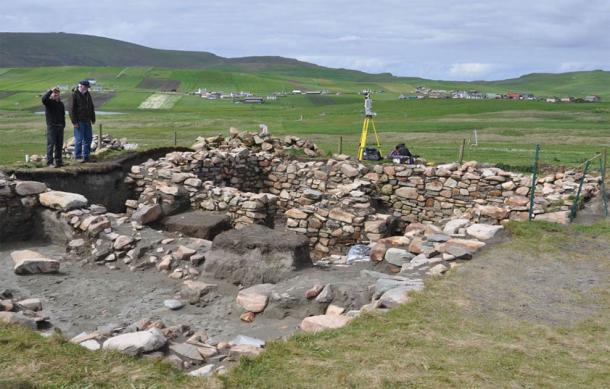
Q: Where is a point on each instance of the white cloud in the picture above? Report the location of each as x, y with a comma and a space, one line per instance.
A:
441, 39
470, 70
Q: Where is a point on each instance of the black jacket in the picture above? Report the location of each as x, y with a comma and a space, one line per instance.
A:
54, 111
82, 109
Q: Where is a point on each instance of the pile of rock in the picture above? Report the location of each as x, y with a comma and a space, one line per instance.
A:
256, 143
21, 311
107, 142
178, 345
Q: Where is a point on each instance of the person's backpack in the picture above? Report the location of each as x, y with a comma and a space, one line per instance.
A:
371, 154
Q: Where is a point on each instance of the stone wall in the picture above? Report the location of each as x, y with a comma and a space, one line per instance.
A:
332, 201
18, 203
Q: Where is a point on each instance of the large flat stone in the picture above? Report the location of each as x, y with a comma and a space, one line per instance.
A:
64, 201
198, 224
483, 231
148, 213
28, 188
32, 262
255, 298
135, 343
256, 254
323, 322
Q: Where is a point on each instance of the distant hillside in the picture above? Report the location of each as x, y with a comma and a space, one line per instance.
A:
62, 49
104, 59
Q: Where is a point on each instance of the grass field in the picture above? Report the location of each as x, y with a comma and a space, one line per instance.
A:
507, 130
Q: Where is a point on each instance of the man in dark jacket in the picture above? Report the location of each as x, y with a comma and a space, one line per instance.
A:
55, 113
82, 115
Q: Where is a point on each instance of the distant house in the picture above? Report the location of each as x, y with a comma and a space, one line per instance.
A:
551, 99
296, 91
493, 96
252, 100
592, 99
513, 96
313, 92
528, 96
271, 98
568, 99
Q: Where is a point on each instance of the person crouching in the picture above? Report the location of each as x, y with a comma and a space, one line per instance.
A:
82, 115
55, 115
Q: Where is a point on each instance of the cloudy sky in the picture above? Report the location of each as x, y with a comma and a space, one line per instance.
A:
437, 39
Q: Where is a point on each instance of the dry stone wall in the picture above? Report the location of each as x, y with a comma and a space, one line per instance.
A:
340, 201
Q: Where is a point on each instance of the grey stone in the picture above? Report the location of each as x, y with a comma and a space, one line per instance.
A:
173, 304
91, 344
187, 352
198, 224
398, 257
28, 188
135, 343
243, 339
326, 295
204, 371
31, 262
453, 225
18, 318
483, 231
64, 201
32, 304
147, 213
438, 238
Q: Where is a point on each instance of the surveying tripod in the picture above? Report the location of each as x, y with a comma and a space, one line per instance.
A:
368, 119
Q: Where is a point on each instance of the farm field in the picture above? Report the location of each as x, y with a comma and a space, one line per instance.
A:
507, 130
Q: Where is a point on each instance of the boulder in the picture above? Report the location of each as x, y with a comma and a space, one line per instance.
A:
394, 297
31, 262
246, 340
32, 304
204, 371
398, 257
192, 291
561, 217
453, 225
173, 304
323, 322
147, 213
494, 212
198, 224
63, 201
255, 298
186, 352
257, 254
136, 343
28, 188
407, 193
18, 318
483, 231
122, 242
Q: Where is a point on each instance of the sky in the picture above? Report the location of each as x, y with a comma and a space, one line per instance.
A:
434, 39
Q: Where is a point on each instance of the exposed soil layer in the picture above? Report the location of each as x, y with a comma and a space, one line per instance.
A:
83, 297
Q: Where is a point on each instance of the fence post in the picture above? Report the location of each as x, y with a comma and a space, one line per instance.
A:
534, 179
100, 142
602, 170
575, 203
461, 157
175, 138
340, 145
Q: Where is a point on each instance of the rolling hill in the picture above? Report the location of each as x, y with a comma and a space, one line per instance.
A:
32, 61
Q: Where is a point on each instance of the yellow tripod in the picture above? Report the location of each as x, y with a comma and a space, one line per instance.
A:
368, 119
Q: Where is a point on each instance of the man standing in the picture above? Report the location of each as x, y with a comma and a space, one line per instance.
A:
82, 115
55, 113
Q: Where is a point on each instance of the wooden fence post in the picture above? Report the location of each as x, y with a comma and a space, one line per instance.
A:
534, 179
461, 157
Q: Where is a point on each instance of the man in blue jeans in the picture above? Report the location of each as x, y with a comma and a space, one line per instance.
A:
82, 115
